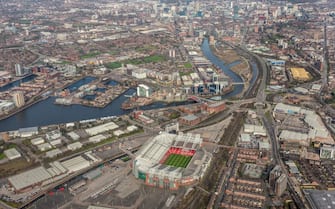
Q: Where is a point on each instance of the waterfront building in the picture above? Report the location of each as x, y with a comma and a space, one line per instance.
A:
18, 99
6, 106
143, 91
19, 71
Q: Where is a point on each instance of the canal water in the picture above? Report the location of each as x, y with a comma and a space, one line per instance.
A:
17, 83
46, 112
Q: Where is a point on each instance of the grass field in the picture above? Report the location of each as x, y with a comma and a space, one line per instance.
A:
137, 61
178, 160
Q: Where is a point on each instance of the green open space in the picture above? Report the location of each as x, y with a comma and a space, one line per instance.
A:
14, 166
178, 160
90, 55
187, 65
2, 156
146, 48
137, 61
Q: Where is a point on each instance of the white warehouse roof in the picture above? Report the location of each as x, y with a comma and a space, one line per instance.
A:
53, 153
97, 138
280, 107
37, 141
101, 128
292, 135
29, 178
12, 153
74, 146
73, 135
75, 164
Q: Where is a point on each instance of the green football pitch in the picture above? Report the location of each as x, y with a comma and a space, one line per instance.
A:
178, 160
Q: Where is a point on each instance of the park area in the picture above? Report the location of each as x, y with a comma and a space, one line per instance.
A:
178, 160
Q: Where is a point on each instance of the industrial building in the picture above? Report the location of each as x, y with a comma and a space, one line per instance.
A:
37, 141
320, 199
12, 153
74, 146
170, 161
75, 164
101, 128
97, 138
53, 153
53, 135
300, 128
37, 177
27, 132
255, 129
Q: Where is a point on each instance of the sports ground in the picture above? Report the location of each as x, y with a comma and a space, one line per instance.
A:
177, 160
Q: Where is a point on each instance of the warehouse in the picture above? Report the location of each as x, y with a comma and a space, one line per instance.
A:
74, 146
29, 179
27, 132
53, 153
37, 141
132, 128
97, 138
74, 136
320, 199
44, 147
118, 133
286, 109
254, 129
101, 128
12, 153
75, 164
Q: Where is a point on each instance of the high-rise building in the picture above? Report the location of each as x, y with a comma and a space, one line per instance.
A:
143, 91
281, 184
18, 98
278, 180
19, 71
274, 174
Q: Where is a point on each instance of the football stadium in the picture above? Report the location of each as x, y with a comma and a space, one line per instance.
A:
169, 161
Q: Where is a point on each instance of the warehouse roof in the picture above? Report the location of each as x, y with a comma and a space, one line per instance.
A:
292, 135
286, 108
321, 199
12, 153
29, 178
101, 128
76, 164
37, 141
74, 146
53, 153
